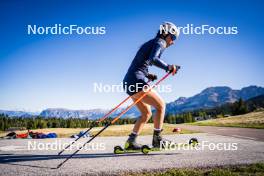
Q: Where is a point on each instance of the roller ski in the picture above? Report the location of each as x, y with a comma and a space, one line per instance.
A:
158, 144
145, 149
131, 146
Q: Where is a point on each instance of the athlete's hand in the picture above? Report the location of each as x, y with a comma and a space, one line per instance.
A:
173, 69
152, 77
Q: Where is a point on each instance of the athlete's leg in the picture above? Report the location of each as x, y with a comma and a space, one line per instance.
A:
145, 111
152, 98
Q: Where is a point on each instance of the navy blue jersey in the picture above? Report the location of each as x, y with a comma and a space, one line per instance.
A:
148, 54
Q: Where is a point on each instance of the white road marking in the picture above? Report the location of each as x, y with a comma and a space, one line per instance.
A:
12, 148
243, 137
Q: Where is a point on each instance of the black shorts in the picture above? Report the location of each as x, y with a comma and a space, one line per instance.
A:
134, 86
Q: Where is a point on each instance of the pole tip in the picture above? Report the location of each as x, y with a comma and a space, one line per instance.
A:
59, 166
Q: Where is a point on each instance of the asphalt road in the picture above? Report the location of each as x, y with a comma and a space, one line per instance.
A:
244, 133
98, 159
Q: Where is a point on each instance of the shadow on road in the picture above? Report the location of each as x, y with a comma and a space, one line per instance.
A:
15, 159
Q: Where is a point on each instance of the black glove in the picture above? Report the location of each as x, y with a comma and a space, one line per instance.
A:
173, 69
152, 77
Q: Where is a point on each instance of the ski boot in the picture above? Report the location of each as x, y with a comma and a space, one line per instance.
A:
131, 143
158, 141
131, 146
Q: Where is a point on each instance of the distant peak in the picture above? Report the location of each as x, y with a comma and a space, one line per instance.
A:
181, 98
217, 88
251, 87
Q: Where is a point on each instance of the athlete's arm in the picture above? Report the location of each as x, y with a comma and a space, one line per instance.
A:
155, 57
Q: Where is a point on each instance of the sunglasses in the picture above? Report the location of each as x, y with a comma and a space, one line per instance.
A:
173, 37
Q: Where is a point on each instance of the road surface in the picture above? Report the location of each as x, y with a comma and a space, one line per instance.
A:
19, 157
244, 133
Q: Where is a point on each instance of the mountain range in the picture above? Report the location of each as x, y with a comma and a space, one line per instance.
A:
212, 97
208, 98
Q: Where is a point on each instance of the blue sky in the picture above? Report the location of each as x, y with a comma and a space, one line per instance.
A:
51, 71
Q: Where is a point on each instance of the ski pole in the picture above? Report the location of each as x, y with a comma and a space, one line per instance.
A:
114, 120
98, 121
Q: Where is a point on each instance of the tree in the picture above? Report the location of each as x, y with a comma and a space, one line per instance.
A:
41, 124
239, 107
31, 124
179, 118
170, 118
2, 122
55, 124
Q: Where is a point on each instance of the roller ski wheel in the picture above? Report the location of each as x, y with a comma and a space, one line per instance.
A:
193, 141
118, 150
145, 149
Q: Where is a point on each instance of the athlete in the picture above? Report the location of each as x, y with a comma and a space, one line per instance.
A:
135, 84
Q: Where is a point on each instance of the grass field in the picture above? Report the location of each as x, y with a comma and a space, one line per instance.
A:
252, 169
115, 130
250, 120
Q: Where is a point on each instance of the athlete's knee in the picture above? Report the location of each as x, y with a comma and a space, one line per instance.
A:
146, 116
160, 108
